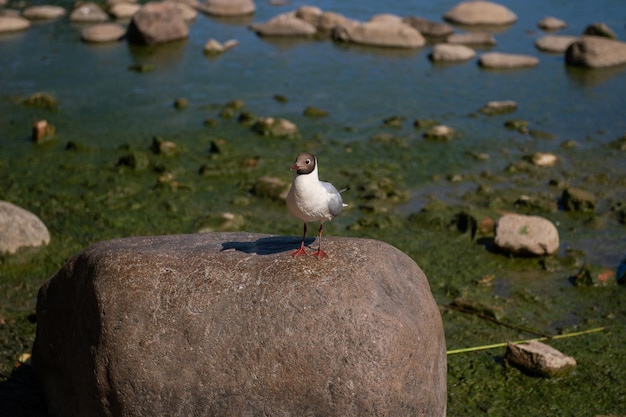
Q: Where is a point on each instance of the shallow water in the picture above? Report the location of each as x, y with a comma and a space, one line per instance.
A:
107, 111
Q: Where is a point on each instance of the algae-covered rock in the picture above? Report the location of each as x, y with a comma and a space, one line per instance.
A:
220, 222
393, 121
161, 146
440, 133
181, 103
271, 187
520, 125
135, 160
275, 127
40, 100
42, 131
577, 199
499, 107
593, 276
312, 111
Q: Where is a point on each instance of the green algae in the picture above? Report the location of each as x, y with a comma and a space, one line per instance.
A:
90, 193
96, 184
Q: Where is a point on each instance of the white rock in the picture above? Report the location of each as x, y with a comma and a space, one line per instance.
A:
20, 228
124, 10
555, 43
526, 235
551, 23
480, 13
13, 24
539, 359
103, 32
444, 52
500, 60
541, 159
43, 12
88, 12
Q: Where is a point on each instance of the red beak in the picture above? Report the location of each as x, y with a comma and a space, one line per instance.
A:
294, 167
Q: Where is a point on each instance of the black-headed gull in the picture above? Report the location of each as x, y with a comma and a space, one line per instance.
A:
312, 200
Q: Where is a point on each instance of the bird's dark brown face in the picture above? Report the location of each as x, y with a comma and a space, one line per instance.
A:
305, 164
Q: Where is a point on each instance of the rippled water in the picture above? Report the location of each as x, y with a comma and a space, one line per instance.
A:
358, 86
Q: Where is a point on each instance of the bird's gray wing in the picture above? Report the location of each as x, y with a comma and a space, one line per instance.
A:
335, 203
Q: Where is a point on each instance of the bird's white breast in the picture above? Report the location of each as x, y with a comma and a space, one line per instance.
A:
308, 199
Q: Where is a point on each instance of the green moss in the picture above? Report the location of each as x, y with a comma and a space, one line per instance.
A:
85, 194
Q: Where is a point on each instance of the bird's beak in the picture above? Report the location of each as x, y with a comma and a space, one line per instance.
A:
294, 167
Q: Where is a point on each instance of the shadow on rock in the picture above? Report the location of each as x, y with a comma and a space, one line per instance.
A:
268, 245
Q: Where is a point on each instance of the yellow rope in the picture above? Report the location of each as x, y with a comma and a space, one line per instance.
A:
498, 345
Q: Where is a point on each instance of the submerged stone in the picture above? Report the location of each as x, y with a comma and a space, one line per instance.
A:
499, 107
577, 199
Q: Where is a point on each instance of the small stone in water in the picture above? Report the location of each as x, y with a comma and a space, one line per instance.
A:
42, 131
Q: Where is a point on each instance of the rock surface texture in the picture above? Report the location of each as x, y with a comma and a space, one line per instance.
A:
20, 228
229, 325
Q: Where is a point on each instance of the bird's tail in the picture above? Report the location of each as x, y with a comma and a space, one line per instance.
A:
341, 191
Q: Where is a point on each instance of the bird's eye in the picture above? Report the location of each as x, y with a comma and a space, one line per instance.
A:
308, 161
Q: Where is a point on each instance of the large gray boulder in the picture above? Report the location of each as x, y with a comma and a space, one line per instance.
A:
596, 52
385, 33
229, 324
19, 228
157, 22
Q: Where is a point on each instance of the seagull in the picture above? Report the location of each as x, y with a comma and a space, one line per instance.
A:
312, 200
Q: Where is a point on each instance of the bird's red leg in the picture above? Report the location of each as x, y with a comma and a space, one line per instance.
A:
319, 253
300, 251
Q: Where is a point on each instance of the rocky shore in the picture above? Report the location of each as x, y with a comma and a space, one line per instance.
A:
519, 232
